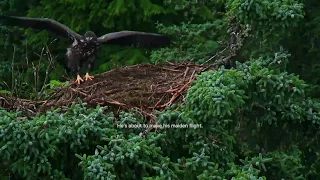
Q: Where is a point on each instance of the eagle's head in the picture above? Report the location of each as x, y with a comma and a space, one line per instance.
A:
90, 36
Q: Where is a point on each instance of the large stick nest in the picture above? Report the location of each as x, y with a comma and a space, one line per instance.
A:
143, 87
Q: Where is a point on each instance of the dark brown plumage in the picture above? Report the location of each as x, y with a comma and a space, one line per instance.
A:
84, 47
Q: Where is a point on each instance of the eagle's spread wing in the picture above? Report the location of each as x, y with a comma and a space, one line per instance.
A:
41, 24
139, 39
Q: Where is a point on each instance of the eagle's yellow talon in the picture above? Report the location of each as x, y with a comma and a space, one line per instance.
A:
79, 79
88, 77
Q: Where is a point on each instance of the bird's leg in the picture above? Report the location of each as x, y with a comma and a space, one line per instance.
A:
87, 76
79, 79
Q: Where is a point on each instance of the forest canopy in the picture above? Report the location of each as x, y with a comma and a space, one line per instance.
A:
235, 96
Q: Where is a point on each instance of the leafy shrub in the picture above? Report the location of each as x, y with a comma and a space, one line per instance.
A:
44, 147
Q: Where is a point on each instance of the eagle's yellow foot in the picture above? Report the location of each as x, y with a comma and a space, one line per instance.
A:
88, 77
79, 79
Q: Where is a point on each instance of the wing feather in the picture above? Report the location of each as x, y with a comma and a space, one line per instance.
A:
135, 38
41, 24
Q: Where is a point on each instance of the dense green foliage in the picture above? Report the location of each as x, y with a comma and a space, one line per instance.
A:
259, 120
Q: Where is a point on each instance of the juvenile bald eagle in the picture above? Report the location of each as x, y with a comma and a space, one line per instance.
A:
84, 47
